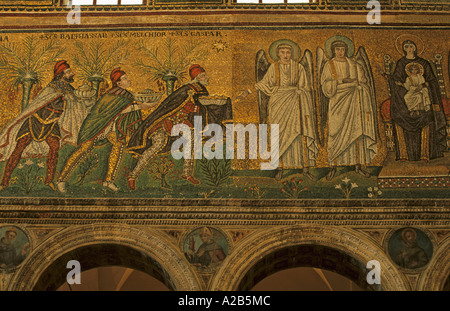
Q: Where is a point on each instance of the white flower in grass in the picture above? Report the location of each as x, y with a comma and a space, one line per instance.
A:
370, 195
20, 166
369, 189
338, 187
346, 180
354, 185
29, 162
375, 188
379, 192
41, 164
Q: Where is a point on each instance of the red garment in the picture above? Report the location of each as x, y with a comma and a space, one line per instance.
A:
38, 123
60, 67
195, 70
116, 74
178, 117
22, 143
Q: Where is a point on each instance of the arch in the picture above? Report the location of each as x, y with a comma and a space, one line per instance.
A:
105, 244
305, 279
115, 278
309, 255
432, 281
446, 287
286, 242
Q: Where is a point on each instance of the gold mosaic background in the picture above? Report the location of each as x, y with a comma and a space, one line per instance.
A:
231, 61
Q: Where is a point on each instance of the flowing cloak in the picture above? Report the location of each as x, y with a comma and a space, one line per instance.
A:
74, 114
412, 125
187, 94
69, 122
350, 114
108, 111
291, 107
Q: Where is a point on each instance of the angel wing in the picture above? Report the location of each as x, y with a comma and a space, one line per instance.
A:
362, 59
323, 100
307, 63
262, 65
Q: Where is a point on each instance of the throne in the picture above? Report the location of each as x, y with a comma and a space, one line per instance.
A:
411, 174
436, 64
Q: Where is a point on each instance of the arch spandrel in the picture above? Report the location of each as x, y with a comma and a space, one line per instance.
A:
262, 244
260, 222
150, 243
438, 269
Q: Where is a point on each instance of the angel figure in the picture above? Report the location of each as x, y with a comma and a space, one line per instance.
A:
286, 97
347, 105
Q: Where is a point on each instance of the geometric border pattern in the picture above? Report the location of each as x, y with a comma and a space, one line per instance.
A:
223, 212
47, 6
414, 182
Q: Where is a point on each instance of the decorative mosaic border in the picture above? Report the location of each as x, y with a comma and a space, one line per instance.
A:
239, 213
158, 5
414, 182
28, 3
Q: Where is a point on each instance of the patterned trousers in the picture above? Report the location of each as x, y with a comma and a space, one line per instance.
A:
159, 140
85, 148
22, 143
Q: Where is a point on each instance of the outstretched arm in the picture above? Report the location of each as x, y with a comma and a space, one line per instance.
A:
148, 105
245, 92
265, 85
138, 106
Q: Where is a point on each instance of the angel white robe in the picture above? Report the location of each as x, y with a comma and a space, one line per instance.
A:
291, 107
351, 122
75, 112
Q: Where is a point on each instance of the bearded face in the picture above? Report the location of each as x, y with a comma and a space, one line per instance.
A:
9, 237
68, 75
69, 80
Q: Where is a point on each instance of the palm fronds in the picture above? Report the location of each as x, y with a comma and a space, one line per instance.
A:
172, 60
29, 59
96, 60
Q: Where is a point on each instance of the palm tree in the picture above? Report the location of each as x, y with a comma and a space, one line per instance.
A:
26, 64
173, 64
95, 61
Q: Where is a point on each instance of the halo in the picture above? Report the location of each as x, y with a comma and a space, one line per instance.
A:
402, 38
11, 229
408, 70
349, 42
404, 231
274, 45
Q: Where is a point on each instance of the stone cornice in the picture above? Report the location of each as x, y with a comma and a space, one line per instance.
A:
164, 212
217, 19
